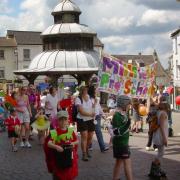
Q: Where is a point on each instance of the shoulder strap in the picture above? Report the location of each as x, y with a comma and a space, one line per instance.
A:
70, 132
53, 135
66, 136
80, 99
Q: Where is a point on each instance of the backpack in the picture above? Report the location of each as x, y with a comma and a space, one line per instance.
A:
75, 110
154, 125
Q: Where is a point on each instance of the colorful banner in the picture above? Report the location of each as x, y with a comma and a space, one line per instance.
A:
119, 78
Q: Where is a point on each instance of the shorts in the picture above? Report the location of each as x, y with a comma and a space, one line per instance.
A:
85, 125
121, 152
24, 117
12, 134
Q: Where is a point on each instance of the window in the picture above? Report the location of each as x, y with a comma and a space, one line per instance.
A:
177, 71
68, 18
1, 54
26, 53
25, 66
2, 73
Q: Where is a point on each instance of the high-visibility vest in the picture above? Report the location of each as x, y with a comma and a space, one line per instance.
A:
63, 137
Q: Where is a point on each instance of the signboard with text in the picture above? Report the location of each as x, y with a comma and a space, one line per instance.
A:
119, 78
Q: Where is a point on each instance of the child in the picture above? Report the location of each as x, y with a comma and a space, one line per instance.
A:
13, 124
136, 116
63, 142
152, 116
160, 137
41, 124
121, 124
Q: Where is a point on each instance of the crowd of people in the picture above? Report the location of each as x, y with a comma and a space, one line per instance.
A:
57, 122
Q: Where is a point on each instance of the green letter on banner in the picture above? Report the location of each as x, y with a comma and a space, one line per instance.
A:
104, 80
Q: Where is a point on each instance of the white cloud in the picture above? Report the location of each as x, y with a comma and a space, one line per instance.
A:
4, 8
151, 17
116, 41
117, 23
30, 18
126, 27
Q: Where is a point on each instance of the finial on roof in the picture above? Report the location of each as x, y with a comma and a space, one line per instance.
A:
155, 53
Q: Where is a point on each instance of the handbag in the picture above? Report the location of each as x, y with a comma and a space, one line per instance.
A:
64, 159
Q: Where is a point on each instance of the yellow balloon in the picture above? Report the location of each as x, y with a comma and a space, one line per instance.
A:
142, 110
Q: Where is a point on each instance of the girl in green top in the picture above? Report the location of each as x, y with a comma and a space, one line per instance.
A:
121, 124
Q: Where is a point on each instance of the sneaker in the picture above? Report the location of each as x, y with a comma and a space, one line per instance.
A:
85, 157
156, 149
155, 171
148, 148
90, 148
105, 149
14, 149
89, 155
22, 144
27, 144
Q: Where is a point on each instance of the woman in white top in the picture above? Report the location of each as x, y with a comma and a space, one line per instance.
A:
98, 115
43, 99
51, 105
85, 120
160, 138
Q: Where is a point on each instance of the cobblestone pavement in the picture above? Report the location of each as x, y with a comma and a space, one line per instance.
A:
29, 164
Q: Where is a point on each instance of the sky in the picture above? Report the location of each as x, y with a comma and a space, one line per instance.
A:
124, 26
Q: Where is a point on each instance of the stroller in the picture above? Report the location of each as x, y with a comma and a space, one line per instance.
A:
2, 119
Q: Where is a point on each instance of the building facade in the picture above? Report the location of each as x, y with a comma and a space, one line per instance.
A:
7, 58
175, 36
29, 44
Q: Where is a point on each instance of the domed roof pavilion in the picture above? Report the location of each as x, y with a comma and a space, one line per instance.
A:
67, 47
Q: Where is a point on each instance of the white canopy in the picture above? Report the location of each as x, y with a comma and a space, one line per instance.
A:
63, 62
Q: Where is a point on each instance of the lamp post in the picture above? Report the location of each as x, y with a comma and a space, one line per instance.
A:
16, 54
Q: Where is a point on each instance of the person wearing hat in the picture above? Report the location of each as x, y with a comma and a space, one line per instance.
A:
13, 124
121, 124
63, 141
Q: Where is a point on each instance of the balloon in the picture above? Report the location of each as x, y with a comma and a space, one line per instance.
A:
170, 90
178, 100
10, 100
142, 110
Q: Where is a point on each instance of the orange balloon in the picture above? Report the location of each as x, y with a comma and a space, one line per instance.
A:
142, 110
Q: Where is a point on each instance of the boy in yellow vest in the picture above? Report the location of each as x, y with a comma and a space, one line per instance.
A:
63, 143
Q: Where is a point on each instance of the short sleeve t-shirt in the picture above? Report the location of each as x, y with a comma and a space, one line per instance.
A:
119, 121
87, 107
52, 103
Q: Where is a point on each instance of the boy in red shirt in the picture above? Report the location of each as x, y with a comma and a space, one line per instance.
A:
13, 124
